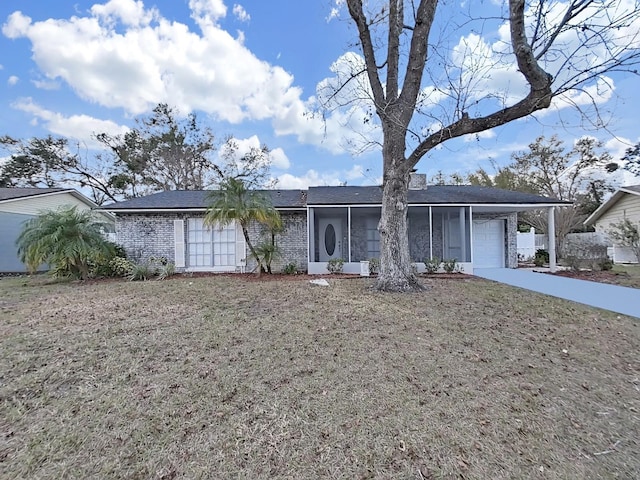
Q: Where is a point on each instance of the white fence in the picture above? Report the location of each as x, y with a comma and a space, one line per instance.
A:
527, 244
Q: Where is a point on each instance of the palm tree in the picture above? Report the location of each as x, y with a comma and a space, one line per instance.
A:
66, 239
234, 202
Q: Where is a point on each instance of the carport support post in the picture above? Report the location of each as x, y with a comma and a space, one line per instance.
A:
551, 234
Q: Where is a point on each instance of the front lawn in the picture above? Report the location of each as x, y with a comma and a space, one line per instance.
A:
628, 275
229, 377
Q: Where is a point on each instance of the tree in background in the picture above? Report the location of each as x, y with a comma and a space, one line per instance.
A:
233, 201
580, 175
54, 162
410, 69
67, 239
164, 151
632, 159
252, 167
33, 164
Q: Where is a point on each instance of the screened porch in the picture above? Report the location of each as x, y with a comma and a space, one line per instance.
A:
351, 233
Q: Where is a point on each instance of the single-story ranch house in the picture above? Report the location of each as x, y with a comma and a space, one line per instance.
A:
474, 225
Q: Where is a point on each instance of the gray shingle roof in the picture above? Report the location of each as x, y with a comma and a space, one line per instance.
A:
433, 194
16, 192
436, 194
633, 188
190, 199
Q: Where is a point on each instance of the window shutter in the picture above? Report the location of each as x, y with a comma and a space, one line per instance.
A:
178, 240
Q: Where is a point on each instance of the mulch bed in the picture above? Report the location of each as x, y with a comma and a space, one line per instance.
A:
593, 276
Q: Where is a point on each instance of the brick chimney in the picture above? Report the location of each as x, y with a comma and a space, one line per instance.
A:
417, 181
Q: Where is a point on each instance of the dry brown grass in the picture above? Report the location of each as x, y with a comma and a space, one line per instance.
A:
224, 377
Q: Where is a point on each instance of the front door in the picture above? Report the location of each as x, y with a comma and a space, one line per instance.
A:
330, 230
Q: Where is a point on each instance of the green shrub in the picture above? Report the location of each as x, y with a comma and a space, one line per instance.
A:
167, 270
335, 265
432, 265
102, 265
450, 265
542, 254
604, 264
159, 267
121, 267
141, 272
374, 265
290, 269
573, 262
67, 239
267, 252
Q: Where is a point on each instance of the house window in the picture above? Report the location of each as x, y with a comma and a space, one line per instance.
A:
373, 239
211, 247
224, 245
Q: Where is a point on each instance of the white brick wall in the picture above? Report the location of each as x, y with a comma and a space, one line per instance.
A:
151, 235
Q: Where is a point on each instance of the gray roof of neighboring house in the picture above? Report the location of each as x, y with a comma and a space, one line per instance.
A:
10, 193
197, 199
433, 194
436, 194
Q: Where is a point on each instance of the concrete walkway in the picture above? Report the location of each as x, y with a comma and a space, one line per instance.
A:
601, 295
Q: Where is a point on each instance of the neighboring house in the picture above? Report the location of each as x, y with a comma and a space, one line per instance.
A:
624, 203
474, 225
17, 205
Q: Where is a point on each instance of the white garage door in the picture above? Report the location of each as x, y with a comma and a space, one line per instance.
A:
488, 244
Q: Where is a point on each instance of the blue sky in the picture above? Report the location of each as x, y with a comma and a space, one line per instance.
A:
250, 69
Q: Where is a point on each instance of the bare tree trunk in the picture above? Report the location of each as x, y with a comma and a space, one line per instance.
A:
396, 274
252, 249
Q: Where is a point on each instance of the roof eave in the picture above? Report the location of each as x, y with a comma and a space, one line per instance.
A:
602, 209
43, 194
177, 210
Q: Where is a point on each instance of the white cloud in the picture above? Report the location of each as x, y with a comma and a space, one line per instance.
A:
313, 178
243, 146
146, 59
12, 80
78, 127
480, 135
617, 147
595, 94
279, 159
123, 55
128, 12
207, 12
17, 25
240, 13
341, 117
46, 84
310, 178
335, 10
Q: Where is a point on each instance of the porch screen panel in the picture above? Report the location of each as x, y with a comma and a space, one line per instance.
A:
373, 238
365, 238
199, 243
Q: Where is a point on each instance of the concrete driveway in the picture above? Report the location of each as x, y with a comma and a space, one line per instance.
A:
600, 295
